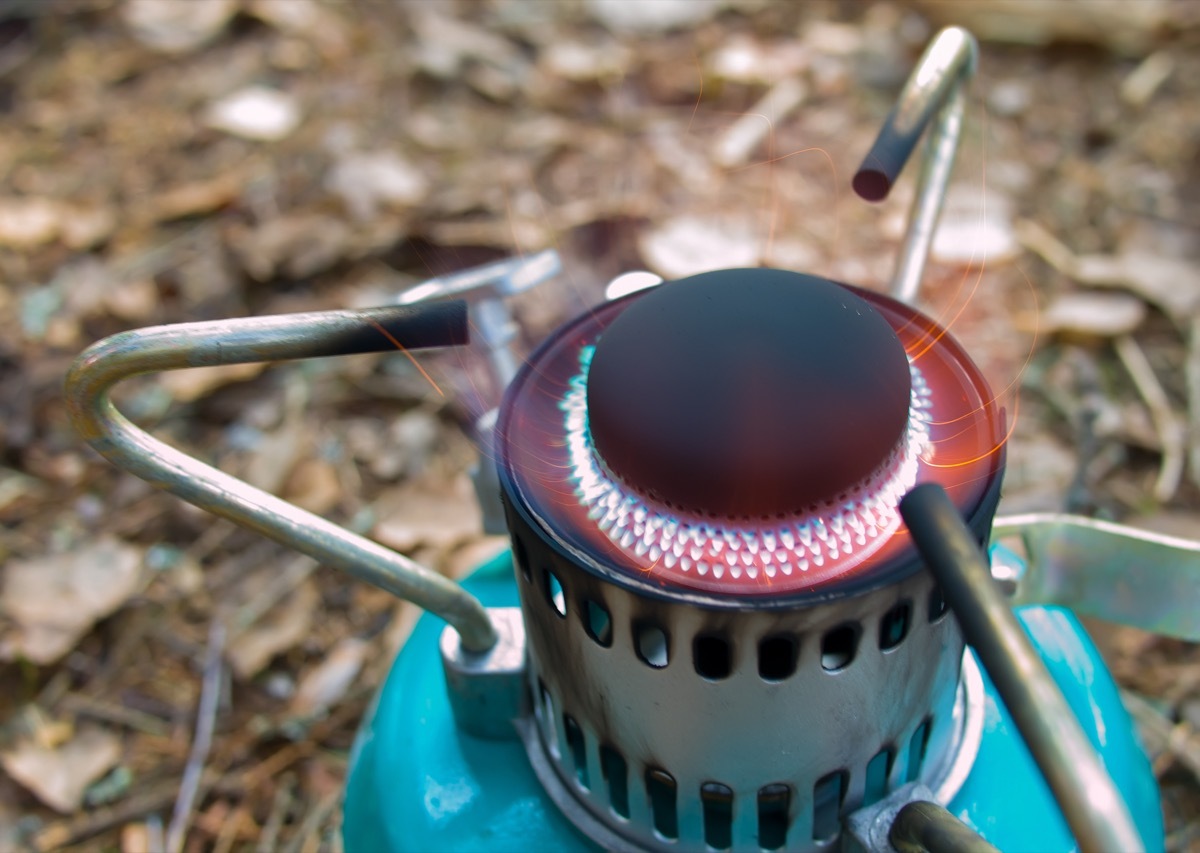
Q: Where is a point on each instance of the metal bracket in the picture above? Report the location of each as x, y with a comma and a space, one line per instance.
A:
487, 689
1105, 570
487, 287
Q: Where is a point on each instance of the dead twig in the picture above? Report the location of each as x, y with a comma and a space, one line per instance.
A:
1166, 423
87, 706
274, 592
206, 716
1191, 371
1180, 741
230, 830
743, 136
313, 821
280, 805
61, 834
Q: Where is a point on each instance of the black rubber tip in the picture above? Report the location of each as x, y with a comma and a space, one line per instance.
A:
884, 162
747, 393
872, 185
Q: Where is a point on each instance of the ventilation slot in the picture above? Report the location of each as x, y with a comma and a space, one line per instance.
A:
937, 604
894, 627
616, 772
916, 750
546, 716
597, 623
717, 801
660, 786
777, 657
578, 749
838, 647
554, 592
773, 804
653, 646
522, 556
878, 771
827, 806
713, 657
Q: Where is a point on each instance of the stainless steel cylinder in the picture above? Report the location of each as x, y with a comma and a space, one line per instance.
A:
739, 664
679, 724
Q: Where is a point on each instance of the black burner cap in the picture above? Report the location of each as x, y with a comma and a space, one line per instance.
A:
747, 393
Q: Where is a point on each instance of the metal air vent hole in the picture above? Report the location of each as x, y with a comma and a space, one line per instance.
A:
827, 806
777, 657
894, 626
616, 772
879, 769
717, 802
653, 645
597, 623
578, 749
712, 657
554, 592
661, 788
838, 647
916, 749
774, 801
546, 717
937, 604
522, 556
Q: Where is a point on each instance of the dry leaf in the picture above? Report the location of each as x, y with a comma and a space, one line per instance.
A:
368, 181
176, 26
1127, 28
191, 384
974, 228
256, 112
55, 599
29, 222
1101, 314
198, 196
285, 626
58, 777
688, 244
427, 512
314, 485
323, 686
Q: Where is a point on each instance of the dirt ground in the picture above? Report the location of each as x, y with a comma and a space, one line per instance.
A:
167, 162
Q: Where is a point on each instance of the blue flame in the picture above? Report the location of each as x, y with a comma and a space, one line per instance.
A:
648, 532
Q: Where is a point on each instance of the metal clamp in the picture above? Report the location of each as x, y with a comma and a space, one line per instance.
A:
1109, 571
933, 94
259, 339
1095, 811
487, 287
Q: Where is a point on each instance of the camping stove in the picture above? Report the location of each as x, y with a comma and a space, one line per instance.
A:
746, 511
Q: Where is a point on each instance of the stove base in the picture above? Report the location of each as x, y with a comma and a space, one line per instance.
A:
417, 783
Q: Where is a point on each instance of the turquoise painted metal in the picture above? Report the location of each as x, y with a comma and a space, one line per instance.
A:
418, 784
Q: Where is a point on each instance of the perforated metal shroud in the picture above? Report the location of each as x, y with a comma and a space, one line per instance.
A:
681, 725
669, 717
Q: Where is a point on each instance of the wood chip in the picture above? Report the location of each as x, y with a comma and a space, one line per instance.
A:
58, 777
55, 599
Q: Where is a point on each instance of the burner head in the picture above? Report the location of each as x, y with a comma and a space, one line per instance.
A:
745, 433
747, 394
729, 631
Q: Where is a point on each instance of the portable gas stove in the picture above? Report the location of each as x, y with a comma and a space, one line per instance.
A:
746, 511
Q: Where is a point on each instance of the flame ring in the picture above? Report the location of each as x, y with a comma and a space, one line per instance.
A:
842, 533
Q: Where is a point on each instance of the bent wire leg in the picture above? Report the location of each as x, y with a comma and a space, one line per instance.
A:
257, 339
933, 94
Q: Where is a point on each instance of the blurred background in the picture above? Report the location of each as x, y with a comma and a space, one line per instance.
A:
174, 160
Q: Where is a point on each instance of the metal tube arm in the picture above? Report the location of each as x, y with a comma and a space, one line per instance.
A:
257, 339
933, 94
1096, 813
